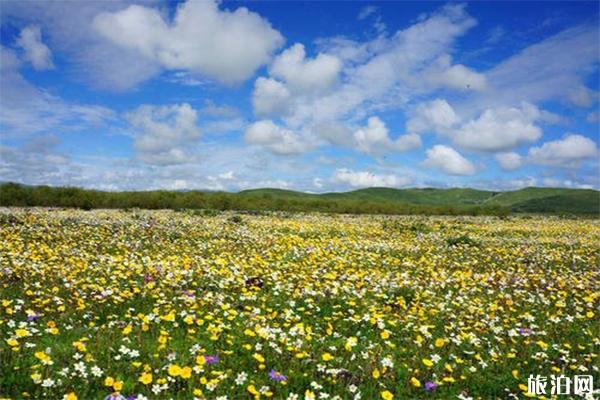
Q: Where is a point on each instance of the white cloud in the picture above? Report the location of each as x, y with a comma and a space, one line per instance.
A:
500, 129
27, 109
368, 179
374, 139
227, 46
163, 133
550, 69
275, 138
509, 161
270, 97
457, 76
448, 160
366, 11
368, 77
35, 51
434, 116
569, 152
593, 117
304, 75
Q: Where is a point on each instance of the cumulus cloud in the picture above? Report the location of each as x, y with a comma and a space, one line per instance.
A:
456, 76
569, 152
347, 81
275, 138
227, 46
500, 128
305, 75
374, 139
509, 161
448, 160
433, 116
359, 179
35, 51
270, 97
163, 133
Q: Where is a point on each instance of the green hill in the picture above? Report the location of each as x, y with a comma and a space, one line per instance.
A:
372, 200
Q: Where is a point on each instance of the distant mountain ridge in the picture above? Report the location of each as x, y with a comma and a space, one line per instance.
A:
530, 199
376, 200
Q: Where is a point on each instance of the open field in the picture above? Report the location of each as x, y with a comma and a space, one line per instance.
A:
165, 304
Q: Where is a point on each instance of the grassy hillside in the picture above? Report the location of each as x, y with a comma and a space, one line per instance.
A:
370, 201
532, 200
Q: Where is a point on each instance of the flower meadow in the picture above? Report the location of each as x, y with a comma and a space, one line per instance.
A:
182, 305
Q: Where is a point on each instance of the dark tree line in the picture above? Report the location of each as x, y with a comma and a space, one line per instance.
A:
12, 194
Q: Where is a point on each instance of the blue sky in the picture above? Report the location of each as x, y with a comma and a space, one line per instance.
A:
313, 96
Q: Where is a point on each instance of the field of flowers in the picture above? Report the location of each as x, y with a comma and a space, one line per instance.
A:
165, 304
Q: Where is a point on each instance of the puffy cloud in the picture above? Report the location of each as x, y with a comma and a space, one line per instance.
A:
569, 152
275, 138
448, 160
270, 97
35, 51
162, 133
509, 161
380, 74
368, 179
500, 129
305, 75
227, 46
374, 139
457, 76
435, 116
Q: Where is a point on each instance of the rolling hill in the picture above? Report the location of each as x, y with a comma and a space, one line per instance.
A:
531, 199
377, 200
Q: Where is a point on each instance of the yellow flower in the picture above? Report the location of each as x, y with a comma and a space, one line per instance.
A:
515, 373
127, 330
308, 395
428, 363
109, 381
12, 342
327, 357
376, 374
384, 335
258, 358
386, 395
21, 333
350, 343
43, 357
440, 342
186, 372
174, 370
70, 396
415, 382
118, 386
146, 378
252, 390
590, 314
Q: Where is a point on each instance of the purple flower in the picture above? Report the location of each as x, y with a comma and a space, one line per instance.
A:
147, 278
211, 359
276, 376
525, 331
430, 386
33, 317
132, 397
